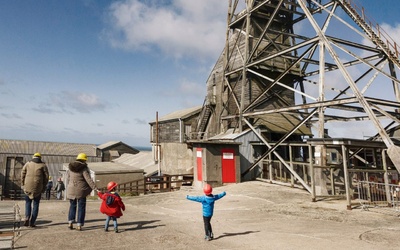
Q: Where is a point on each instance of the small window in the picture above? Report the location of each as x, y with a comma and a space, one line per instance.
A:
333, 156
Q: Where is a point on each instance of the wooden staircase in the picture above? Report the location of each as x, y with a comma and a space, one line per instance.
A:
203, 121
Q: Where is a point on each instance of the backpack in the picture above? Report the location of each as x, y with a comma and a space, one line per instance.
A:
110, 200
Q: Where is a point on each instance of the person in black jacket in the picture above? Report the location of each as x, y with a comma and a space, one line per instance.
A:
49, 186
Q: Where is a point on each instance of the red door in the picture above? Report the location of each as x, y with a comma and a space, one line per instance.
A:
228, 166
199, 164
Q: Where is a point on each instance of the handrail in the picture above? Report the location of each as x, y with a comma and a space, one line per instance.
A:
159, 183
383, 35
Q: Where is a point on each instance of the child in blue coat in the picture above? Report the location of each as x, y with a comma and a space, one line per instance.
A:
207, 201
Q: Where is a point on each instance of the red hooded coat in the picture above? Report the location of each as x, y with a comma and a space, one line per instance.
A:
115, 208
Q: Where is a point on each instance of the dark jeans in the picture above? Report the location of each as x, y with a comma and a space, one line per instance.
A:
207, 226
32, 213
48, 192
81, 204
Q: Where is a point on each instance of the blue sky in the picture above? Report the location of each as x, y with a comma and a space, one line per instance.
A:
92, 71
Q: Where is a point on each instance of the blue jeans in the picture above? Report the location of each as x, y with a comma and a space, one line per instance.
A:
31, 214
108, 221
59, 195
81, 211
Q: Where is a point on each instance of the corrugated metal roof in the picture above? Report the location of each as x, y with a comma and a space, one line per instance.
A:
276, 123
112, 167
114, 153
108, 144
180, 114
46, 148
229, 135
112, 144
281, 123
109, 167
143, 160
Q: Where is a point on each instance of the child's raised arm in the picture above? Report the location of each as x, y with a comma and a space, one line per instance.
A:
195, 198
219, 196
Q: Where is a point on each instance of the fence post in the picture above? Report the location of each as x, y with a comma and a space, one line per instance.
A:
346, 176
331, 170
312, 177
144, 184
271, 175
386, 178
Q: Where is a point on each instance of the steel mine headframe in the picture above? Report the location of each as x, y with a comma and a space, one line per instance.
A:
315, 64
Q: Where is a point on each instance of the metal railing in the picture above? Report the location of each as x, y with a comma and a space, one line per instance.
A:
374, 194
164, 183
10, 226
383, 35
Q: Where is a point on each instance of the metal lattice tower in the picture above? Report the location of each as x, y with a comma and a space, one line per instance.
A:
323, 62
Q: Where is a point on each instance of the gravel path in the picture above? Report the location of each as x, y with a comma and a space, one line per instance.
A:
253, 215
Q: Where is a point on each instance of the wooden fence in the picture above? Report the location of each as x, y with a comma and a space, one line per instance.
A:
146, 185
164, 183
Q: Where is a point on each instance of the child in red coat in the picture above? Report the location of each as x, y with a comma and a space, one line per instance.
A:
111, 205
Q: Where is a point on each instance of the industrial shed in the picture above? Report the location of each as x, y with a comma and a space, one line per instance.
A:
169, 135
143, 160
216, 163
15, 153
114, 149
104, 172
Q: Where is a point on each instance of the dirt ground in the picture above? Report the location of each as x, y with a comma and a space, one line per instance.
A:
253, 215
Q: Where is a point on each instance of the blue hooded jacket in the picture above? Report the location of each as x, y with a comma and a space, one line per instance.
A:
207, 201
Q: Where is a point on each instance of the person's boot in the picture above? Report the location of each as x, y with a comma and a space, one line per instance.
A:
70, 226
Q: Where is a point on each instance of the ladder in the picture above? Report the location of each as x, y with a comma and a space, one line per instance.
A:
204, 118
390, 48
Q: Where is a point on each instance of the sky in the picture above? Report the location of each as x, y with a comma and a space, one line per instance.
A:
93, 71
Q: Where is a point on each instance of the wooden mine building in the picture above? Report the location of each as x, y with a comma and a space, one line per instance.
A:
289, 78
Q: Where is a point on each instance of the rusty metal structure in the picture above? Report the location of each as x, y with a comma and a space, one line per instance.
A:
312, 64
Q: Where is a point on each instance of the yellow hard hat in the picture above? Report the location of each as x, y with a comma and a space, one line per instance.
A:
82, 156
37, 155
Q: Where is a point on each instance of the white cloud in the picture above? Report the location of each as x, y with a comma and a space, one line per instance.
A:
11, 116
177, 28
188, 88
81, 102
70, 102
188, 93
389, 33
140, 121
392, 32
